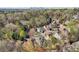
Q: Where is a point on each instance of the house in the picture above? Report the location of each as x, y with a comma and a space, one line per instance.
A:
39, 40
40, 30
31, 32
57, 36
11, 26
22, 22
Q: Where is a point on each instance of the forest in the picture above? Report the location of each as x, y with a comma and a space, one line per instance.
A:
39, 30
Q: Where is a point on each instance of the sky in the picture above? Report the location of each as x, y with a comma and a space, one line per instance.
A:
38, 3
